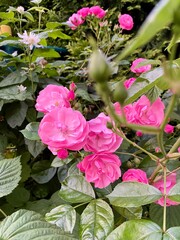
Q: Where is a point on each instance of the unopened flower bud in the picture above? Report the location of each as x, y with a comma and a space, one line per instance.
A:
120, 93
99, 68
137, 161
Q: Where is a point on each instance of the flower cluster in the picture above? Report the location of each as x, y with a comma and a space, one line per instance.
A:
137, 175
63, 128
78, 18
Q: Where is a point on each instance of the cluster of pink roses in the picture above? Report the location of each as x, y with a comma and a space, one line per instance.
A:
63, 128
142, 112
78, 18
137, 175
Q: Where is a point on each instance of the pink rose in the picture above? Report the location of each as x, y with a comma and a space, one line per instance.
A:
135, 175
84, 12
142, 112
63, 128
97, 11
128, 111
141, 69
101, 138
75, 20
126, 21
101, 169
62, 153
129, 82
169, 128
72, 86
139, 134
147, 113
51, 97
170, 182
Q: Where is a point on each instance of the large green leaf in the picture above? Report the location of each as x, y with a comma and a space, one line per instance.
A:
97, 221
76, 189
136, 230
130, 213
16, 113
172, 212
172, 234
28, 225
46, 53
34, 147
160, 16
31, 131
133, 194
13, 93
57, 34
18, 197
174, 193
10, 172
13, 78
64, 216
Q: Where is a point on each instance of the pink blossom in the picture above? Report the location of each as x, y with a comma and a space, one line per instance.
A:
63, 128
169, 128
101, 169
157, 149
147, 113
97, 11
84, 12
51, 97
141, 69
142, 112
31, 40
139, 134
101, 138
179, 149
129, 82
62, 153
126, 21
72, 86
170, 182
71, 95
75, 20
135, 175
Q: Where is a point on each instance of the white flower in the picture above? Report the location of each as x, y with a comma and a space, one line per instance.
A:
20, 9
21, 88
31, 40
36, 1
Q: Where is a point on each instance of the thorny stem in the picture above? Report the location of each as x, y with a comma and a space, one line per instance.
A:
165, 198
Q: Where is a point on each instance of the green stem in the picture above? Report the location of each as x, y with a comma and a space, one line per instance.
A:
165, 198
175, 146
81, 204
3, 212
39, 21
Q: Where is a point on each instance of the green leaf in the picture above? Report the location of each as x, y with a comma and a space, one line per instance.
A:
58, 34
174, 193
34, 147
76, 189
46, 53
44, 176
29, 16
18, 197
161, 16
31, 131
10, 171
144, 83
97, 220
172, 234
6, 15
84, 95
13, 93
29, 225
64, 216
133, 194
136, 230
130, 213
13, 79
16, 113
172, 212
53, 25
